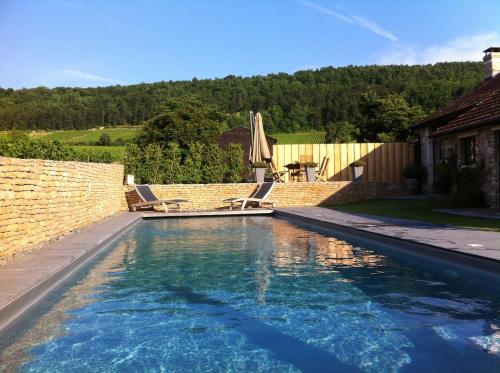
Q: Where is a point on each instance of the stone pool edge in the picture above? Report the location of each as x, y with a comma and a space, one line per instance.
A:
26, 282
468, 261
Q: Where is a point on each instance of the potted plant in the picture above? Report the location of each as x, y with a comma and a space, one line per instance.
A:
357, 170
311, 171
414, 175
260, 171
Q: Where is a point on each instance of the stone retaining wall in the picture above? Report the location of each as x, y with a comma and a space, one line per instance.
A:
41, 200
209, 196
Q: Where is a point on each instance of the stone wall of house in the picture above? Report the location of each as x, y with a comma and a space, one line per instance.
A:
486, 149
209, 196
486, 141
41, 200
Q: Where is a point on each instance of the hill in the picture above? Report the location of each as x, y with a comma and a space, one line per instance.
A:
289, 102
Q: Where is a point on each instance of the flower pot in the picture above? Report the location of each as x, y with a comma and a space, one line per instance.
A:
129, 180
357, 173
413, 186
260, 173
311, 174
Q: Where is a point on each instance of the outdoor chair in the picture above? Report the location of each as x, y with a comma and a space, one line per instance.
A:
259, 197
278, 176
148, 199
321, 173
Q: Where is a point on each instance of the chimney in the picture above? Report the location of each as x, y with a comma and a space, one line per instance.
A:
491, 61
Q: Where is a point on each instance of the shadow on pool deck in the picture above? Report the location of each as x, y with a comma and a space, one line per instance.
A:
306, 357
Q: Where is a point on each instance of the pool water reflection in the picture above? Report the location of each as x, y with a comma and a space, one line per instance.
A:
260, 294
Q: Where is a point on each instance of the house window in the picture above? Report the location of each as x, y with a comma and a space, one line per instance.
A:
468, 149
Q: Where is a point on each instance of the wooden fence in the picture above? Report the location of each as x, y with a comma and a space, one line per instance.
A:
382, 162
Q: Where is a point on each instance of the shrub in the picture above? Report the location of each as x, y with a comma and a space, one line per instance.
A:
104, 140
234, 163
94, 156
445, 174
21, 146
192, 167
470, 180
310, 164
153, 165
259, 165
357, 164
415, 171
202, 163
133, 161
213, 166
172, 164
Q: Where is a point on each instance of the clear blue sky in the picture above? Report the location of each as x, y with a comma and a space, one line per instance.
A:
98, 43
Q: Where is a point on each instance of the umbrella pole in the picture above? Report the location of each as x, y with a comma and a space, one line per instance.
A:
252, 123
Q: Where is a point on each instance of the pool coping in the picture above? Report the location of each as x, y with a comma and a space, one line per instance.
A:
470, 261
26, 281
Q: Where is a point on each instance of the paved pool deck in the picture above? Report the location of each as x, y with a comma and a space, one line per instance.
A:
483, 244
27, 279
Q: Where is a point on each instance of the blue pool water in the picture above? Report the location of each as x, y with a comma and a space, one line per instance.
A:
260, 294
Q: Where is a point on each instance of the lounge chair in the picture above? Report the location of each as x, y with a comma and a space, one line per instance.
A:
259, 197
321, 174
148, 199
278, 176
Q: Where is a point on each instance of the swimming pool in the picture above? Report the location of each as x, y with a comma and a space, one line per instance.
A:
259, 294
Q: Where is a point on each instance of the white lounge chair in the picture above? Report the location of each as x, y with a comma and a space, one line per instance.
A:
259, 197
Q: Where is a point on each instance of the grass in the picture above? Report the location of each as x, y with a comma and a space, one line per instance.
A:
116, 151
311, 137
420, 210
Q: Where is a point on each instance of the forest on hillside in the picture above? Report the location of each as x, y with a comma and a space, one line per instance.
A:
304, 100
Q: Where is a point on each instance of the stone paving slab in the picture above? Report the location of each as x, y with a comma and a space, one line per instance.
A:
26, 280
468, 241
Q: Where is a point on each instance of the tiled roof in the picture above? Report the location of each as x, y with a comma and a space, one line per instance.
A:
480, 105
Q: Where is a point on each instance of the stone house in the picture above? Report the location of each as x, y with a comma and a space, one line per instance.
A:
468, 126
241, 135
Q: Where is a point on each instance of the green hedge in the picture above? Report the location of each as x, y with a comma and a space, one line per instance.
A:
462, 182
21, 146
198, 163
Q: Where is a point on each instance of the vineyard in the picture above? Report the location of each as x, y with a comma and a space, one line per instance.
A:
317, 137
86, 139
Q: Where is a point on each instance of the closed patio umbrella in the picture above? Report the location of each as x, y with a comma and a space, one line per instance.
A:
260, 149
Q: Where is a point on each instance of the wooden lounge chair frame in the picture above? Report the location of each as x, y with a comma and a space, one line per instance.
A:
259, 197
278, 176
321, 174
148, 199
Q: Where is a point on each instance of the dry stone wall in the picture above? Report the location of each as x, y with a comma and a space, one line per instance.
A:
41, 200
209, 196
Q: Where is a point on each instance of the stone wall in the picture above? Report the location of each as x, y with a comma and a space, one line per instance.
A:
486, 149
41, 200
209, 196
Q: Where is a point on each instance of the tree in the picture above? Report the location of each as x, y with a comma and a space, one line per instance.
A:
387, 119
341, 132
104, 140
183, 121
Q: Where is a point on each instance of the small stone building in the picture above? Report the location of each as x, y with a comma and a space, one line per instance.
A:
241, 135
468, 126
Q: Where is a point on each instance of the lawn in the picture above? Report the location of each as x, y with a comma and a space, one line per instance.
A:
420, 210
311, 137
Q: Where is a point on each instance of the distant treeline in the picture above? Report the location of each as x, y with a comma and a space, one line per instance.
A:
288, 102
